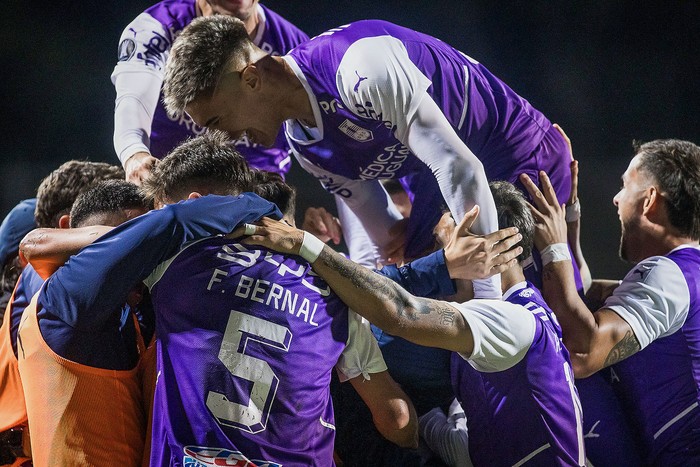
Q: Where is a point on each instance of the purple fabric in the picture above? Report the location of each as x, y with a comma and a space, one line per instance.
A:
662, 382
279, 37
513, 413
505, 132
203, 291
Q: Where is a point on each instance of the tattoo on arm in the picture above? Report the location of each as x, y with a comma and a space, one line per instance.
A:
627, 346
384, 289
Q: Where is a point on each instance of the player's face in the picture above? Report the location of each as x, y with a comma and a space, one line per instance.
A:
241, 9
630, 201
238, 110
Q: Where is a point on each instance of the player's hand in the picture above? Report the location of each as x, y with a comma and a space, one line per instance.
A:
550, 224
566, 138
393, 251
138, 167
275, 235
324, 225
470, 256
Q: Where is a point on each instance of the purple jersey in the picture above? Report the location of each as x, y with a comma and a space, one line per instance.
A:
529, 413
146, 43
362, 114
247, 340
660, 385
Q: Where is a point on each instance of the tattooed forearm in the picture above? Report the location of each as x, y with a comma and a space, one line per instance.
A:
446, 313
369, 282
627, 346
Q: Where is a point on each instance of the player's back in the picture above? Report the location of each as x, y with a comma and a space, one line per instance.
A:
533, 403
498, 125
246, 343
660, 385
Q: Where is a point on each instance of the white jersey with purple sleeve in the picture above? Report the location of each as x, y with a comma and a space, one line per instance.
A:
366, 82
660, 385
247, 340
517, 388
141, 122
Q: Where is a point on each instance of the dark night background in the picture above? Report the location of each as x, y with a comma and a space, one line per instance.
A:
607, 71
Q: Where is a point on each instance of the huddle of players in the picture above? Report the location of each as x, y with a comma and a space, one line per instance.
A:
257, 398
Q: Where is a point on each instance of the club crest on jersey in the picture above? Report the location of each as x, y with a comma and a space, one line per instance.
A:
356, 132
201, 456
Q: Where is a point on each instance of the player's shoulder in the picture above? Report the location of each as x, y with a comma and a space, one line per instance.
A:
283, 26
172, 14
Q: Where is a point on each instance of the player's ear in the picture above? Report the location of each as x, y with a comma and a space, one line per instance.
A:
653, 202
194, 195
64, 221
250, 75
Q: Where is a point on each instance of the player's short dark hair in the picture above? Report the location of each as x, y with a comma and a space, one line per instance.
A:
106, 197
513, 211
675, 166
60, 188
199, 56
272, 187
208, 164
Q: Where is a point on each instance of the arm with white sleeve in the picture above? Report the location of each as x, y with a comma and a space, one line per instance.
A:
137, 79
362, 364
362, 204
398, 92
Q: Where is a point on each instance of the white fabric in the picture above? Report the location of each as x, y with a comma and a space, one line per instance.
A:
394, 84
446, 436
653, 298
397, 90
503, 333
138, 82
311, 247
555, 252
361, 355
367, 199
361, 248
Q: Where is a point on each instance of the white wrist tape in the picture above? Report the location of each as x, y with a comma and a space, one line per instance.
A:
555, 252
311, 247
573, 212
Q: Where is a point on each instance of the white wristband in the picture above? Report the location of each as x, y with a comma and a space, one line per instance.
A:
311, 247
555, 252
573, 212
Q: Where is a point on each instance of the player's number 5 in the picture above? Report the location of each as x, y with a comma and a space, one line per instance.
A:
240, 330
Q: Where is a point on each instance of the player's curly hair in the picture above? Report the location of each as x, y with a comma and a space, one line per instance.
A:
207, 164
58, 191
199, 56
513, 211
675, 166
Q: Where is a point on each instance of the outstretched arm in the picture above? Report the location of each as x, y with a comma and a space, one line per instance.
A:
380, 300
127, 254
48, 249
595, 340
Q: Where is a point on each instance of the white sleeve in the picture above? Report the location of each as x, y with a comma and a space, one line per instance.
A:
397, 90
143, 50
367, 199
361, 355
361, 248
503, 333
446, 436
653, 298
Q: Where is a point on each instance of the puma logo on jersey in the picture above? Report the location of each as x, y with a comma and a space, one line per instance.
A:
359, 80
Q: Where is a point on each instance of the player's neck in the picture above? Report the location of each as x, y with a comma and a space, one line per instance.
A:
292, 95
251, 23
511, 277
